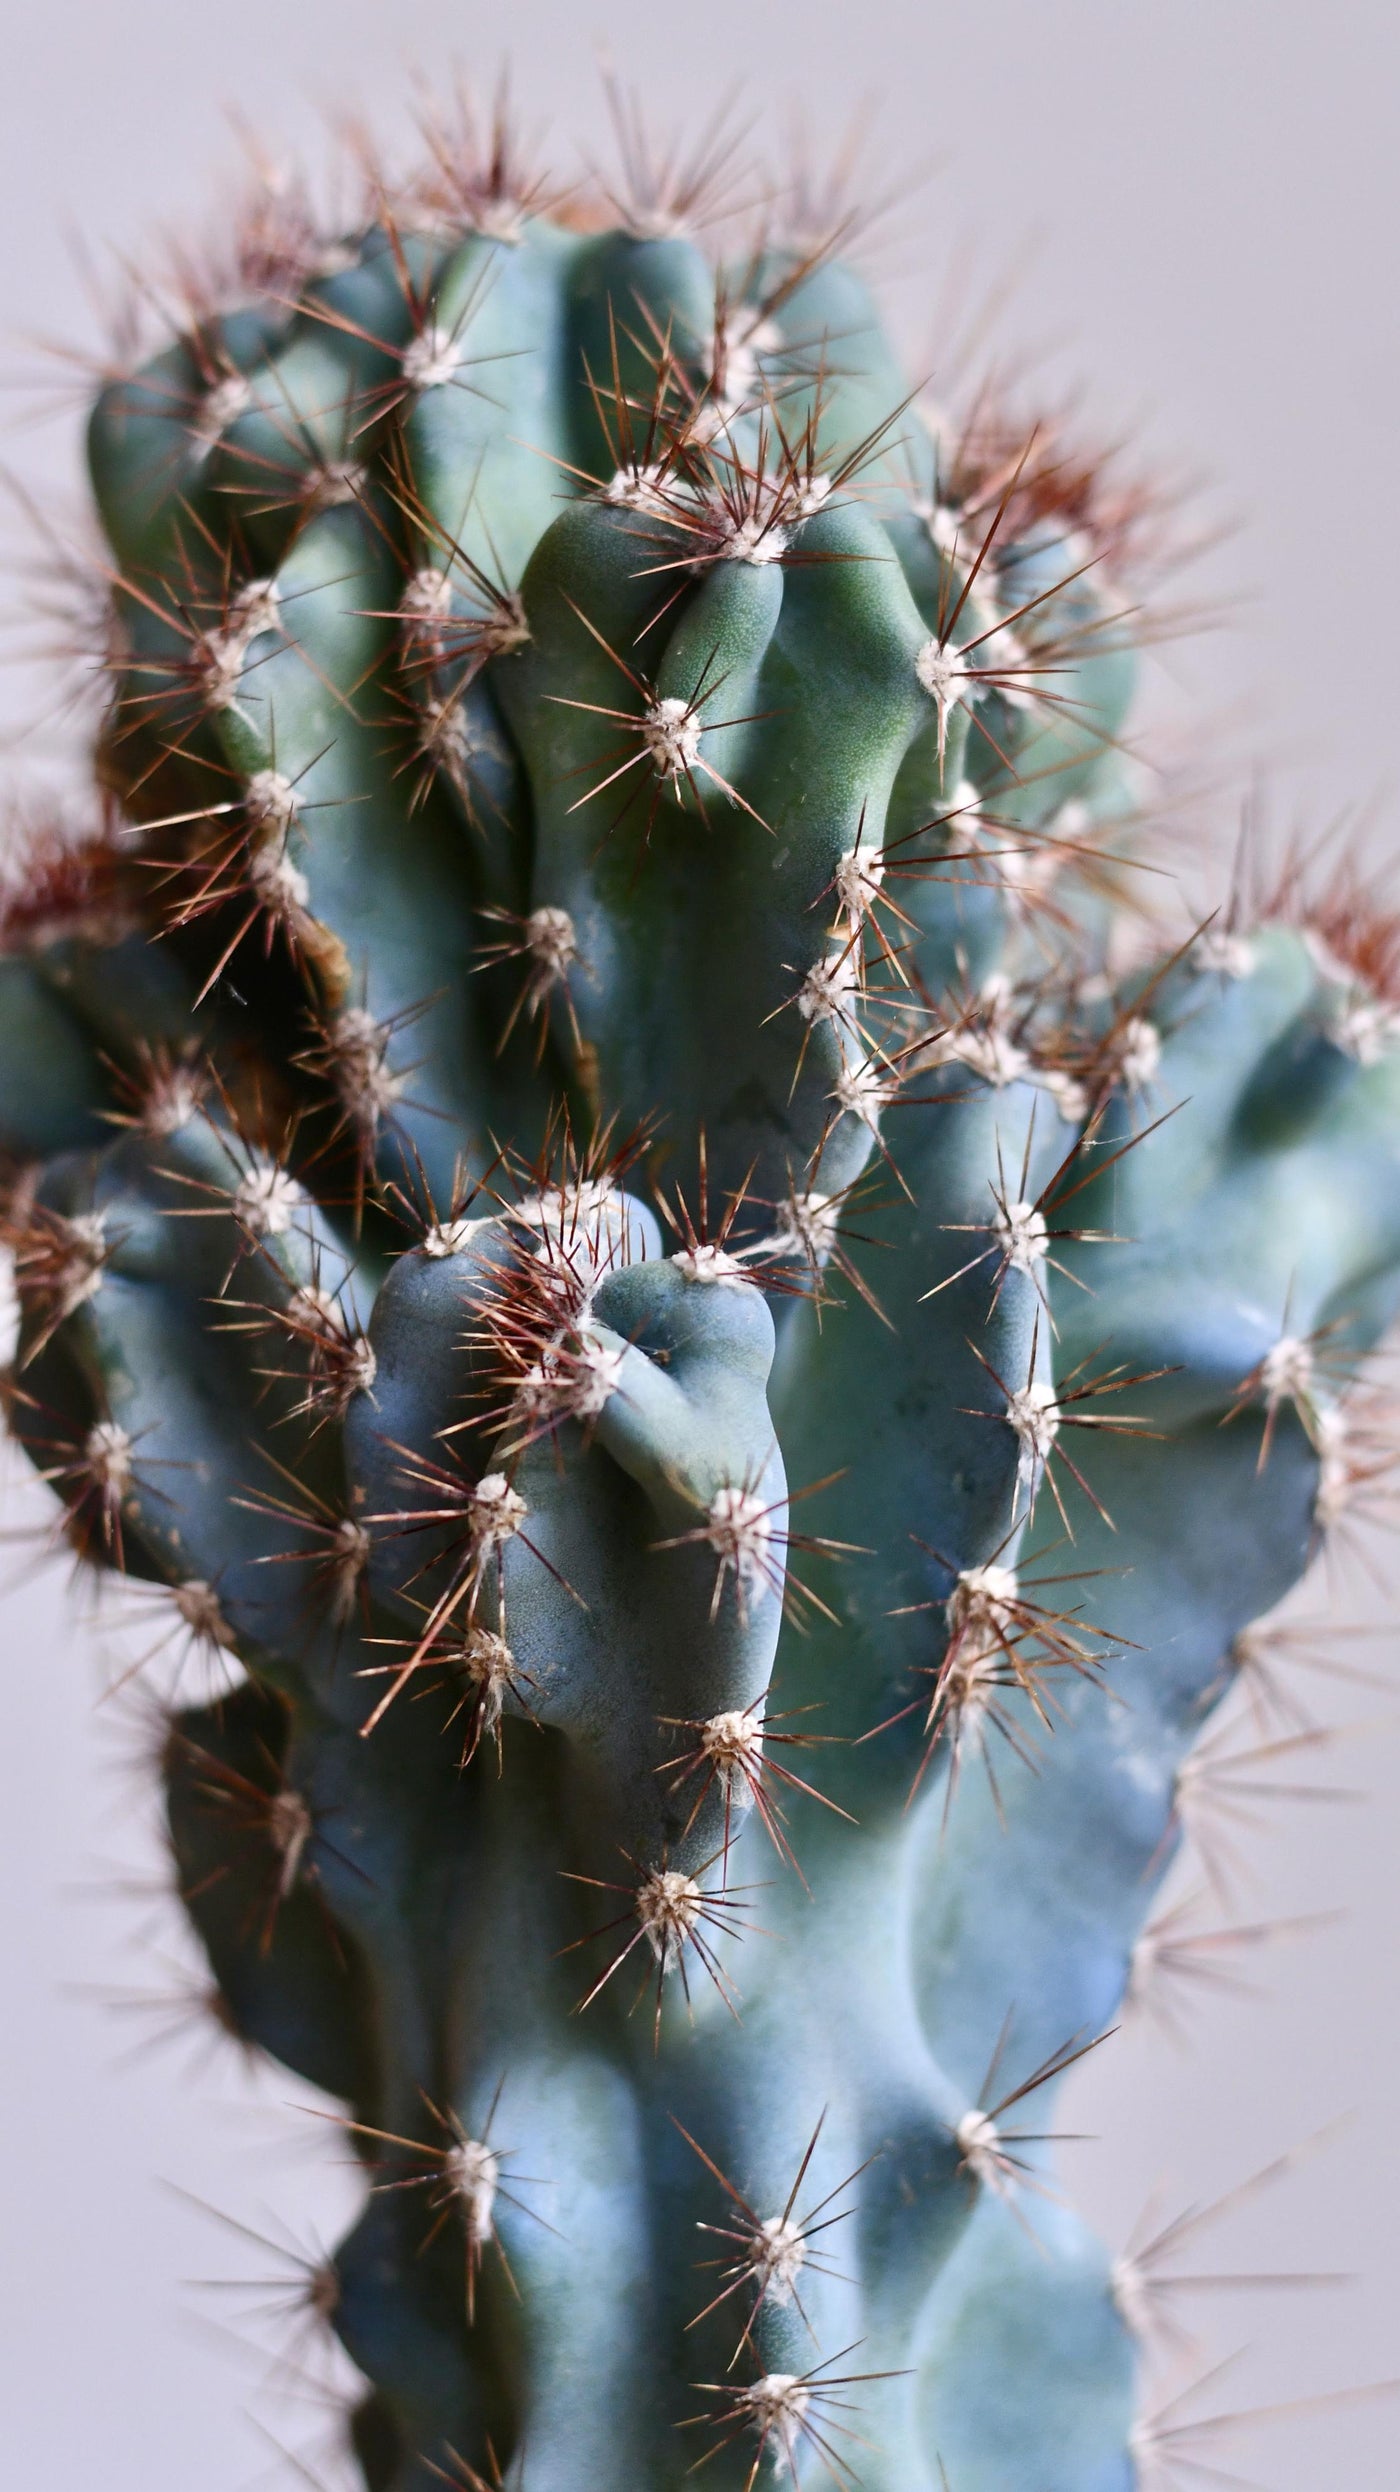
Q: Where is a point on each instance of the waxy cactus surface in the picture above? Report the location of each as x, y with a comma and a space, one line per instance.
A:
612, 1204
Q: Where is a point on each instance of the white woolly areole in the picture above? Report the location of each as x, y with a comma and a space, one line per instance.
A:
550, 940
1132, 2295
494, 1511
777, 2255
669, 1907
1365, 1029
946, 678
488, 1662
743, 370
979, 2142
1336, 1478
197, 1604
1226, 955
811, 1223
80, 1260
431, 358
1145, 2447
171, 1099
1145, 1957
857, 882
1034, 1414
256, 608
565, 1212
945, 529
1021, 1233
778, 2406
218, 660
220, 406
595, 1374
1288, 1371
981, 1608
861, 1090
671, 734
334, 259
289, 1831
733, 1744
107, 1452
825, 992
538, 1394
319, 1311
985, 1043
336, 482
281, 886
427, 597
270, 803
1138, 1053
473, 2174
1070, 1096
356, 1047
449, 1237
266, 1200
710, 1266
443, 733
637, 489
739, 1529
754, 539
349, 1556
360, 1367
989, 1051
501, 219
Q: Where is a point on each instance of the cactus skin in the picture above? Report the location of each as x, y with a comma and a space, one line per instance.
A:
554, 694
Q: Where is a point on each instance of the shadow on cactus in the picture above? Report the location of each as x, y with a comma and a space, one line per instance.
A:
607, 1193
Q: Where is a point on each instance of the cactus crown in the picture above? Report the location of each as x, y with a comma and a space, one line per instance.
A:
598, 1207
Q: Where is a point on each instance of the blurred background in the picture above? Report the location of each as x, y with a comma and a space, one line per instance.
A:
1193, 206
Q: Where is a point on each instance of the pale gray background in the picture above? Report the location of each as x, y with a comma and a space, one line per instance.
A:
1212, 190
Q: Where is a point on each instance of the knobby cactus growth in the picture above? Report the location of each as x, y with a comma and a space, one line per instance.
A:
607, 1197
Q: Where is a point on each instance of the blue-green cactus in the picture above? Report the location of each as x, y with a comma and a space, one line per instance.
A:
591, 1199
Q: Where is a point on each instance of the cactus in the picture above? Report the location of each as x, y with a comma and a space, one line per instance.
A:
612, 1204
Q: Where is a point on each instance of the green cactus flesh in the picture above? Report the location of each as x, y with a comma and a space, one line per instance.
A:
595, 1008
